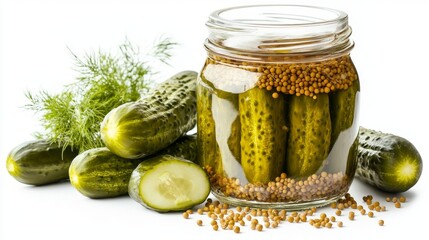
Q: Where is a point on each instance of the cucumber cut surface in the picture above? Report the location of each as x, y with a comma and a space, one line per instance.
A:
166, 183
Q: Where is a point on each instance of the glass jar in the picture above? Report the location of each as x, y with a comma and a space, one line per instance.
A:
277, 104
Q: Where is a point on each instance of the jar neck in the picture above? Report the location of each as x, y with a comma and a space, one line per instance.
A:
279, 32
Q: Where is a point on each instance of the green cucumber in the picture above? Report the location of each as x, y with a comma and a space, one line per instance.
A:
165, 183
263, 135
137, 129
40, 162
185, 147
387, 162
208, 149
99, 173
342, 108
309, 135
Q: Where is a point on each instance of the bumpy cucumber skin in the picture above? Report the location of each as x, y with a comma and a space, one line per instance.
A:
146, 167
185, 147
208, 149
378, 154
99, 173
263, 135
137, 129
40, 162
342, 107
309, 135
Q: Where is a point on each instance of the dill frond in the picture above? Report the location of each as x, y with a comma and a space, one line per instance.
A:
104, 81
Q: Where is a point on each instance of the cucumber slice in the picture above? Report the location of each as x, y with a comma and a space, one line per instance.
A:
166, 183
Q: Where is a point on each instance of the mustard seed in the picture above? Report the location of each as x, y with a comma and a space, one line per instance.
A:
397, 205
402, 199
215, 227
388, 199
236, 229
230, 226
338, 212
253, 226
333, 219
370, 214
274, 224
381, 222
394, 199
259, 227
199, 222
351, 215
185, 215
340, 224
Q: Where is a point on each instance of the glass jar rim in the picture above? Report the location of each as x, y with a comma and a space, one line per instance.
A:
273, 19
255, 31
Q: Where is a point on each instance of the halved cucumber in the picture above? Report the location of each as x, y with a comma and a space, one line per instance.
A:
166, 183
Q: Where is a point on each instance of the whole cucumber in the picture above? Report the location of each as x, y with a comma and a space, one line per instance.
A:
40, 162
137, 129
309, 135
99, 173
387, 162
263, 135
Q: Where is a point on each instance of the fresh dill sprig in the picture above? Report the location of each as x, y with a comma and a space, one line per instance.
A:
104, 82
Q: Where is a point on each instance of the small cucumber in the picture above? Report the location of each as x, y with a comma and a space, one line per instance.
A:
263, 135
309, 135
165, 183
185, 147
138, 129
40, 162
99, 173
208, 149
387, 162
343, 109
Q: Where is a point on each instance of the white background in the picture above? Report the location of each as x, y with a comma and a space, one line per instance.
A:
390, 55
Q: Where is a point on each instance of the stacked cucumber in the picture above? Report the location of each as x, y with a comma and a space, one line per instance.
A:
146, 139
